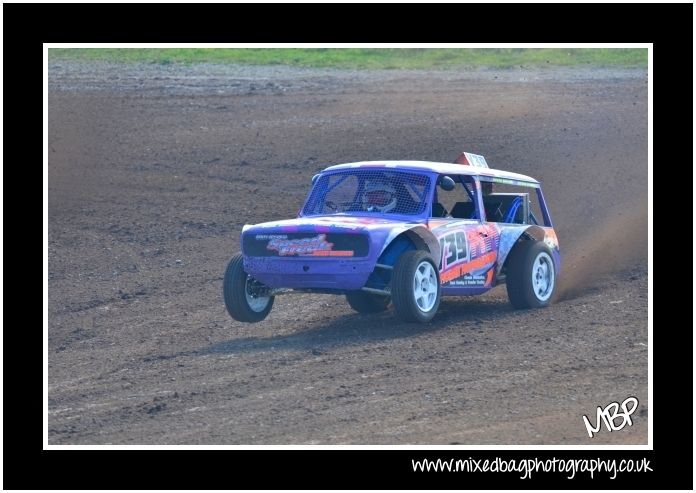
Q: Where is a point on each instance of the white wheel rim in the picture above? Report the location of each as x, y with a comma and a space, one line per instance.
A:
256, 303
543, 276
425, 286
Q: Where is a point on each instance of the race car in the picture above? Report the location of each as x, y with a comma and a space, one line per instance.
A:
402, 233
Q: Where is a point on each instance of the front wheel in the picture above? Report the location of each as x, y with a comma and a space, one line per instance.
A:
415, 286
241, 293
531, 275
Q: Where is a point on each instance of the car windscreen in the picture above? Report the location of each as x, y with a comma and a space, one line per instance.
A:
368, 191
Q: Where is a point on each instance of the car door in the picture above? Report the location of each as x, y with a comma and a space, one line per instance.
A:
468, 246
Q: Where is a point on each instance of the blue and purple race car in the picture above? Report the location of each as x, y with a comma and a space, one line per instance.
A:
404, 233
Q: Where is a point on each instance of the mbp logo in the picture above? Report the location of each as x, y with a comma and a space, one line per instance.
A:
610, 414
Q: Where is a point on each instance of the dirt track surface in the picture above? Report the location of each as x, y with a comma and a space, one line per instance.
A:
153, 171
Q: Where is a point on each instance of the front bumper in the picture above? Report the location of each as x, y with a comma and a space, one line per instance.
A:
308, 273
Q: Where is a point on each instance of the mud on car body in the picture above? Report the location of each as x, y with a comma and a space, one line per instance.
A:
404, 233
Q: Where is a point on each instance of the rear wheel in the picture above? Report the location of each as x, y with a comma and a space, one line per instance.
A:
531, 275
363, 302
415, 286
242, 296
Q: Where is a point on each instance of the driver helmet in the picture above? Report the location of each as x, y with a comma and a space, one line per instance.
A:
379, 196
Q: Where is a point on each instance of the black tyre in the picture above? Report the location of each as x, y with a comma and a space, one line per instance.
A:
531, 275
242, 304
415, 286
363, 302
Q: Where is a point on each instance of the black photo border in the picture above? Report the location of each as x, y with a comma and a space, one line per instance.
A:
28, 26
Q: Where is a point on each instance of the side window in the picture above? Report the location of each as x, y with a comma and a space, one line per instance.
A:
512, 204
456, 203
537, 212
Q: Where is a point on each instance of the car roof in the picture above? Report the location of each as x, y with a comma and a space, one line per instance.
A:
442, 168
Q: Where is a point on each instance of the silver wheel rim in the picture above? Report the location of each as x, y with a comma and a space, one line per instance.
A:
543, 276
425, 286
256, 303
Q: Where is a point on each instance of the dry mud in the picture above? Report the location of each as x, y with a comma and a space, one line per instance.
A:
153, 171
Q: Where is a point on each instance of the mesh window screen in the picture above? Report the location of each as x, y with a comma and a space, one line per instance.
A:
375, 191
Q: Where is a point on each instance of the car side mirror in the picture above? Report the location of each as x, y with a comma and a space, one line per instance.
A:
315, 178
446, 183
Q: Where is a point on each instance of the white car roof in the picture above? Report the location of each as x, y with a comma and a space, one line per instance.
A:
443, 168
